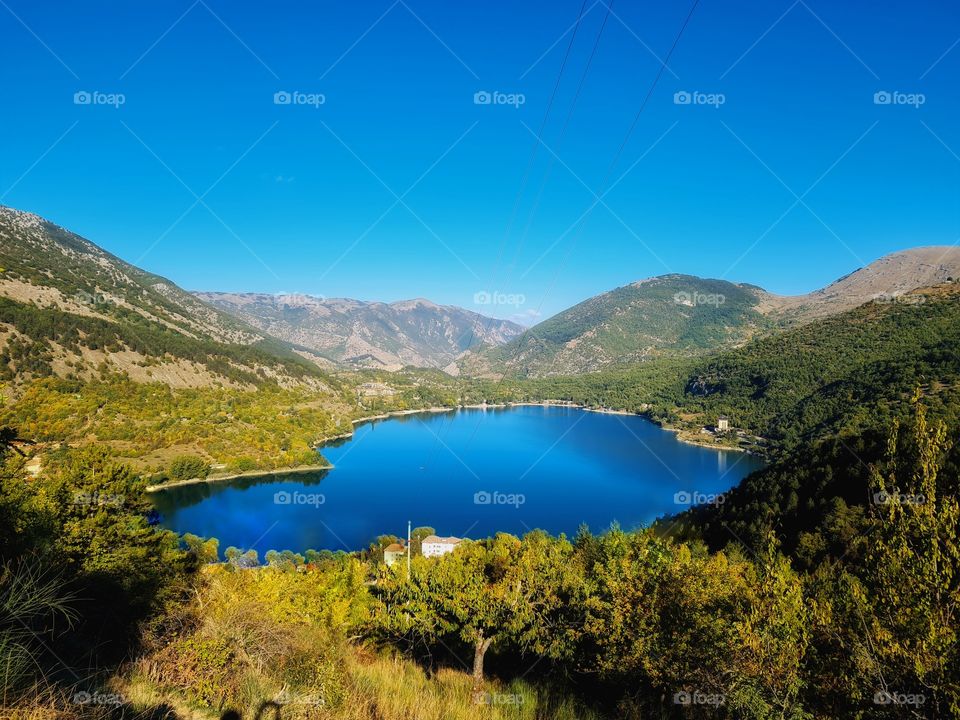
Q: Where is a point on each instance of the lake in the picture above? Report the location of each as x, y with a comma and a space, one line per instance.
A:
469, 473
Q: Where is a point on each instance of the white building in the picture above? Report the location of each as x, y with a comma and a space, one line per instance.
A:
723, 423
433, 546
394, 552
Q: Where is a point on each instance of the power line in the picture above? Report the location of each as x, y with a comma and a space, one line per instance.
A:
536, 144
613, 164
563, 131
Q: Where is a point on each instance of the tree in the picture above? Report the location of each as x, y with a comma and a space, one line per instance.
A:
187, 467
910, 591
9, 440
206, 551
417, 536
502, 590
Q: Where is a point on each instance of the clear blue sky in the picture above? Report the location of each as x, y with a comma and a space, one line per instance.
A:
292, 207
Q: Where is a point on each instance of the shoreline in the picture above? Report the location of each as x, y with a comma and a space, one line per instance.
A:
681, 435
237, 476
473, 406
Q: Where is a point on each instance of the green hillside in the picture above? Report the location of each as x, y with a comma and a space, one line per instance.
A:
66, 306
665, 316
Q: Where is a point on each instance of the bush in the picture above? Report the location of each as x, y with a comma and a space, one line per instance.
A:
187, 467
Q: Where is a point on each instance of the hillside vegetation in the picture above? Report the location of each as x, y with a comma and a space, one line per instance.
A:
836, 375
663, 316
624, 625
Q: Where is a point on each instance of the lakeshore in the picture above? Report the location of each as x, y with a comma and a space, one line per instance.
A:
237, 476
684, 436
470, 473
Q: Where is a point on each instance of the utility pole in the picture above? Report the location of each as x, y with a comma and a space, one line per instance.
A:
408, 551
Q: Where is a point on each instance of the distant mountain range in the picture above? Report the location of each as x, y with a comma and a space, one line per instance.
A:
69, 308
680, 315
369, 334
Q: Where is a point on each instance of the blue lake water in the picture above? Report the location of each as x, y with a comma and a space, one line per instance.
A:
469, 473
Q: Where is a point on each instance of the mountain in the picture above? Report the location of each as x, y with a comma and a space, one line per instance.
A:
69, 308
885, 279
682, 316
666, 315
368, 334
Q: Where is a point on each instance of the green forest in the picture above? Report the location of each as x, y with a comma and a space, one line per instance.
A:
848, 611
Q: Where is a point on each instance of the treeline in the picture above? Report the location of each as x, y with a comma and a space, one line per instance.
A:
840, 375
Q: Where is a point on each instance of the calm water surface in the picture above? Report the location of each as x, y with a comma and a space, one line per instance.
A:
469, 473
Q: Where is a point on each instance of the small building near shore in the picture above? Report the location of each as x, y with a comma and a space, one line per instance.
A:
434, 546
723, 423
393, 552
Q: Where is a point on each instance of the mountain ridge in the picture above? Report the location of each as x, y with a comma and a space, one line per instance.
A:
70, 308
370, 334
680, 315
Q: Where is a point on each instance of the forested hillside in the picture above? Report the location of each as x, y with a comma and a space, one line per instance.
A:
839, 374
70, 309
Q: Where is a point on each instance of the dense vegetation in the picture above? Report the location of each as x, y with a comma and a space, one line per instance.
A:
627, 625
825, 586
32, 353
838, 376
